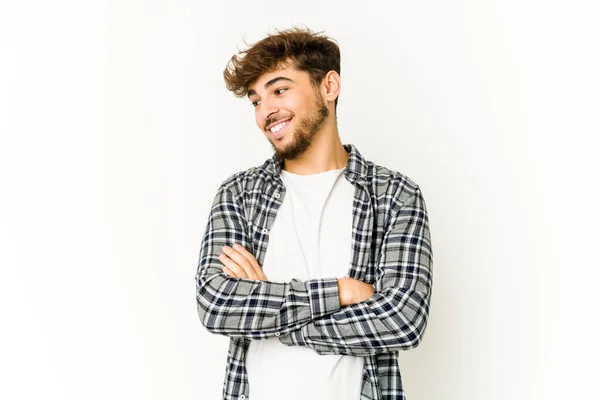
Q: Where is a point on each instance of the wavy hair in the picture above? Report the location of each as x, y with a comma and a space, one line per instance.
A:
311, 52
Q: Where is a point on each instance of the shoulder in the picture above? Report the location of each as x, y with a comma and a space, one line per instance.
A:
244, 181
395, 185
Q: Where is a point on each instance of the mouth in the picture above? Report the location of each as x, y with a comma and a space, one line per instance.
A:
279, 129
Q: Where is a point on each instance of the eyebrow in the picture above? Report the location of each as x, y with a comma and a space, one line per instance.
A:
270, 83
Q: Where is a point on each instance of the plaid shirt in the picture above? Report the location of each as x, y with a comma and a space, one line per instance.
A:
391, 249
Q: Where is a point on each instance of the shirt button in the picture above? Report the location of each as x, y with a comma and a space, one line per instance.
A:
277, 333
242, 397
265, 230
277, 195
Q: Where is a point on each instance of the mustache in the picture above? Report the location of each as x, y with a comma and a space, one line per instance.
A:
277, 118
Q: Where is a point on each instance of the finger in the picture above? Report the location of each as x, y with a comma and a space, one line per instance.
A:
228, 272
235, 268
252, 260
242, 261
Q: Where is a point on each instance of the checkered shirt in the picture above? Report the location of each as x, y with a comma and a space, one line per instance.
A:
391, 249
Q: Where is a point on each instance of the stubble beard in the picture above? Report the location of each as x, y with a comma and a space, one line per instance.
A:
304, 133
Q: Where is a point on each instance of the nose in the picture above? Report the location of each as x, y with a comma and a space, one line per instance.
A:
268, 109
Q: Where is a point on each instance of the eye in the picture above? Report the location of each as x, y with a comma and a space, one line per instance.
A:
280, 90
255, 103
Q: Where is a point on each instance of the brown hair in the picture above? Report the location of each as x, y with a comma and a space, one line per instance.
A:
311, 52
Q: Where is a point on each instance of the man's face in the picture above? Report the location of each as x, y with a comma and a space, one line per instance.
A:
288, 110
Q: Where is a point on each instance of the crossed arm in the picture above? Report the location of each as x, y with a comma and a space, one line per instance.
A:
251, 308
330, 316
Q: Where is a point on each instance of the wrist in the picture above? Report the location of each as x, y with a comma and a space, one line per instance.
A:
352, 291
345, 291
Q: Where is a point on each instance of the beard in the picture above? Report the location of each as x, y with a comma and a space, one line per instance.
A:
302, 136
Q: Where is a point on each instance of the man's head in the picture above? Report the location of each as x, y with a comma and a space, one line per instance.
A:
292, 80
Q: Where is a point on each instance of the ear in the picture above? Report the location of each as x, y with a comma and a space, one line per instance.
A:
330, 86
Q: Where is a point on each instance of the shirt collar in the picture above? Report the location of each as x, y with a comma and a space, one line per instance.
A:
356, 168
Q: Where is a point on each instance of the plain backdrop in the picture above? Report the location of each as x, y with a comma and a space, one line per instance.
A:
116, 131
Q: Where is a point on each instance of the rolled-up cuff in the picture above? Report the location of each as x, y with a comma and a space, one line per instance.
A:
324, 296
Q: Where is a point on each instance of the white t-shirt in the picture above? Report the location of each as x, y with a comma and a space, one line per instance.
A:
310, 238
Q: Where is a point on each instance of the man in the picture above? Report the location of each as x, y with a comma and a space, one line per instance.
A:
318, 263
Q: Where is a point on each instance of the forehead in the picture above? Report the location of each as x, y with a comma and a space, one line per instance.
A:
289, 71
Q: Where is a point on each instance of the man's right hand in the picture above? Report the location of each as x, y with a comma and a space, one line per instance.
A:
352, 291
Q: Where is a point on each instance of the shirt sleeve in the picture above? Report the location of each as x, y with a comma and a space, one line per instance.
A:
395, 316
255, 309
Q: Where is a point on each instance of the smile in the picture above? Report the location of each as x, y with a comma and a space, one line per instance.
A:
279, 129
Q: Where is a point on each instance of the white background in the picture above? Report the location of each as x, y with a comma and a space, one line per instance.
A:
116, 130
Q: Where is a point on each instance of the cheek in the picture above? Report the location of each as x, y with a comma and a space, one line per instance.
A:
292, 104
259, 122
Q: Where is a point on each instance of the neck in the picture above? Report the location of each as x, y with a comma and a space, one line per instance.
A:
326, 152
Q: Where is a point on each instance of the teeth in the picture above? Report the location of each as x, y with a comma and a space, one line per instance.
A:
277, 127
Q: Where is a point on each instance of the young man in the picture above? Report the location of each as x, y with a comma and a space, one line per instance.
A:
317, 263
